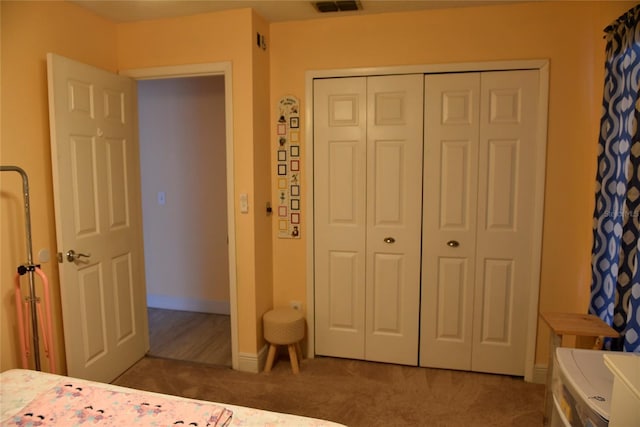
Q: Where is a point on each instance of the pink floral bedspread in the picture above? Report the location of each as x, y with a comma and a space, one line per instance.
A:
25, 393
79, 404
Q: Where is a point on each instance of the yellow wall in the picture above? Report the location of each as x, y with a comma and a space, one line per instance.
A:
262, 172
215, 37
29, 31
569, 34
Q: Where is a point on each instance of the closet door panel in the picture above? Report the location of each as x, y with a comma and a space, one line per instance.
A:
505, 220
449, 219
386, 289
394, 209
501, 184
340, 216
389, 204
455, 198
497, 302
451, 321
342, 293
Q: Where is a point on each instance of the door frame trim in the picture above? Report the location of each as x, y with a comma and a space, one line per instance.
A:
212, 69
542, 65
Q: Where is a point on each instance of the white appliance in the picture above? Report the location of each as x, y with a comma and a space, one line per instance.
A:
582, 387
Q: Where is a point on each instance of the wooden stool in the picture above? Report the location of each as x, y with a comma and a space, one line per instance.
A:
580, 325
283, 326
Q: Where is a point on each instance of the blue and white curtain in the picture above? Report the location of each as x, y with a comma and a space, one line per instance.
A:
615, 285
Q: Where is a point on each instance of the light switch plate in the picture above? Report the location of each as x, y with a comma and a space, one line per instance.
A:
244, 203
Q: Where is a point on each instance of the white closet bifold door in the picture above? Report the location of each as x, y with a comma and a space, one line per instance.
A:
480, 159
368, 185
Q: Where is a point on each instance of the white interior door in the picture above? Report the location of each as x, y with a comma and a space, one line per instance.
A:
480, 160
368, 181
340, 108
97, 203
394, 213
452, 113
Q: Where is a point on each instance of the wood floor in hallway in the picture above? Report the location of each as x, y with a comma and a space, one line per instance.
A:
190, 336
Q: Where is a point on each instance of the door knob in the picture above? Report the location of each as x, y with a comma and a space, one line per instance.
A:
453, 243
389, 240
73, 256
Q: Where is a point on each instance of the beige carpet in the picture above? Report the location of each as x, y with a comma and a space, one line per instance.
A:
354, 393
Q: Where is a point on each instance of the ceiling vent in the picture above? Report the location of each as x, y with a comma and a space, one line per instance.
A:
337, 6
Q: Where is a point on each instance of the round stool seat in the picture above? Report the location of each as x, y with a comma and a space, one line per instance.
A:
283, 326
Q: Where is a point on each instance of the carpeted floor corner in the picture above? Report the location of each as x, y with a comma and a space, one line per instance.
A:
354, 393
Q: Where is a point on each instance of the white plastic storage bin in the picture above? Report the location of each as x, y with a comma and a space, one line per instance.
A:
582, 387
625, 399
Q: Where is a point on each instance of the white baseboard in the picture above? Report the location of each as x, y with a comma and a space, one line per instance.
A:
254, 363
539, 374
188, 304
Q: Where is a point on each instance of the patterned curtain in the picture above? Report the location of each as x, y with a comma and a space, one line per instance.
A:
615, 285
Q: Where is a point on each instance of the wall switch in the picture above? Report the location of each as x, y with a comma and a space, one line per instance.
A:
244, 203
162, 198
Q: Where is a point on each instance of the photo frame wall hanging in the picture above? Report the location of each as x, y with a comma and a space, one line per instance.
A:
288, 168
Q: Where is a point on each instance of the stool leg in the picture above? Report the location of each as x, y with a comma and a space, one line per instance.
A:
270, 358
299, 351
294, 358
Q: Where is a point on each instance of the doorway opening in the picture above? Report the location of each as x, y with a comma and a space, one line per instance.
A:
184, 192
161, 199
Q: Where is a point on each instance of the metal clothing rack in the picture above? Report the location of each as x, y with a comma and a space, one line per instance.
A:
29, 266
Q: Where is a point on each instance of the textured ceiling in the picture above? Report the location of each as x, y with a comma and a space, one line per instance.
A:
271, 10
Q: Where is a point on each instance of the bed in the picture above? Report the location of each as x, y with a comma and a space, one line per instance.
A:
31, 398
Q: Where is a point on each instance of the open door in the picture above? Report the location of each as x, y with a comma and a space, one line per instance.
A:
94, 155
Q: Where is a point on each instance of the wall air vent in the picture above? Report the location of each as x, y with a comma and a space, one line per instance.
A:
337, 6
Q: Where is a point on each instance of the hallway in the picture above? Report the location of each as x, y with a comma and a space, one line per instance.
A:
190, 336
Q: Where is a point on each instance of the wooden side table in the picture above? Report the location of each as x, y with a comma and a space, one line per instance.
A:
581, 325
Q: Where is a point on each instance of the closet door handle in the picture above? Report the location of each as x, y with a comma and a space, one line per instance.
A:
389, 240
453, 243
